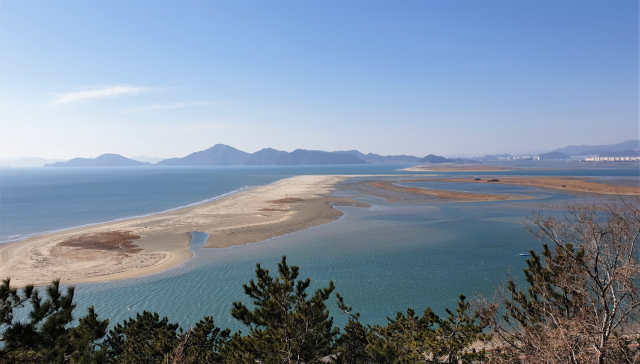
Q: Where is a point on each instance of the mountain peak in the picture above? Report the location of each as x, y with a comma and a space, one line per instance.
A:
218, 155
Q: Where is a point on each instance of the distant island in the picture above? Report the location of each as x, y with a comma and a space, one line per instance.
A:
105, 160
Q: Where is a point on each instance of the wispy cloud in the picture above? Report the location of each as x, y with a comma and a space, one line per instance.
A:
209, 126
113, 91
177, 105
201, 127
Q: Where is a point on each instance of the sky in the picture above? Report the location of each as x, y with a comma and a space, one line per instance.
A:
452, 78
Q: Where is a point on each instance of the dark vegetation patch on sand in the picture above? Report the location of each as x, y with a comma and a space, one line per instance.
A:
287, 200
118, 241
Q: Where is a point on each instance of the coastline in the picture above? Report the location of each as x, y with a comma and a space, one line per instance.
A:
162, 240
148, 244
22, 237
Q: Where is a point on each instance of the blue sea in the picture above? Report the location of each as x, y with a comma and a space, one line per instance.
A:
382, 259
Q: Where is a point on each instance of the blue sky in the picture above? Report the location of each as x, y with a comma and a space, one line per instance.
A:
454, 78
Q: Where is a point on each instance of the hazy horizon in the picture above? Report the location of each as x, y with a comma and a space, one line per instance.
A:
154, 159
166, 79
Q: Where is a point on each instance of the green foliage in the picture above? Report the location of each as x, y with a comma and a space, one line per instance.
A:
286, 325
145, 339
459, 331
84, 339
583, 294
413, 339
352, 344
11, 300
545, 291
203, 344
44, 337
400, 341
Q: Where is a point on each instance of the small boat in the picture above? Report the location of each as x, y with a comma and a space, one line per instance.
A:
524, 254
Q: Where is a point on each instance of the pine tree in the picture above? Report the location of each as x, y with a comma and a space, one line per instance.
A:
352, 344
583, 291
403, 340
84, 339
45, 336
202, 344
455, 335
145, 339
41, 338
430, 339
286, 325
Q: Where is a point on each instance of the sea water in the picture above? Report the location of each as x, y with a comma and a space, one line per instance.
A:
382, 259
39, 200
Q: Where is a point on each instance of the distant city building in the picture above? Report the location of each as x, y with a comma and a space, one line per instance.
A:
612, 159
574, 158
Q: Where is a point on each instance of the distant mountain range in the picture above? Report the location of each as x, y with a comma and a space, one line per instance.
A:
146, 158
433, 159
105, 160
224, 155
629, 148
377, 158
218, 155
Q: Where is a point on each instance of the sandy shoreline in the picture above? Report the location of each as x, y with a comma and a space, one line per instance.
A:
161, 241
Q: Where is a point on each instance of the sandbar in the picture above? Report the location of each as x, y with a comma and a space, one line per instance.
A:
459, 168
570, 184
452, 196
144, 245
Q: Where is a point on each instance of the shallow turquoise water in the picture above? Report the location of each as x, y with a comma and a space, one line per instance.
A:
382, 259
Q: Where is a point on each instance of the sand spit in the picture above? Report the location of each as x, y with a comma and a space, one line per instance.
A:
149, 244
459, 168
564, 184
452, 196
